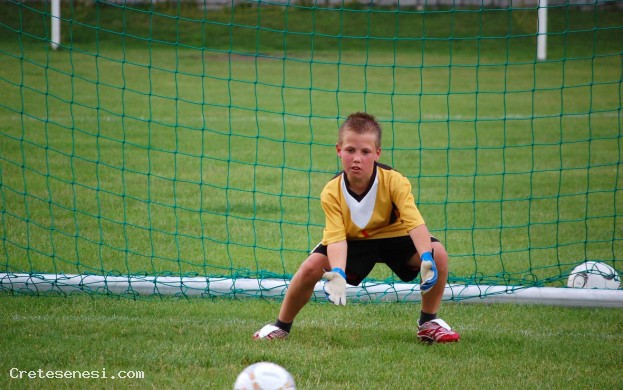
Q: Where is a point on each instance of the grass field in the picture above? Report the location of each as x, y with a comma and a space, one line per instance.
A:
181, 141
203, 343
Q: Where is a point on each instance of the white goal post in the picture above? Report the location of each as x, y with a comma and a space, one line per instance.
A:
50, 284
55, 22
541, 40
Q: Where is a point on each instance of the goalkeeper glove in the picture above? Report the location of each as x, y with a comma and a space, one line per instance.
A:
335, 286
428, 272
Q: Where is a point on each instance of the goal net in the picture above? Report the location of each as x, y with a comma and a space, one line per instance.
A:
180, 148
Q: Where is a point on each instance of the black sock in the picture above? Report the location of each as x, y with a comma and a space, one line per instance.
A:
425, 317
283, 325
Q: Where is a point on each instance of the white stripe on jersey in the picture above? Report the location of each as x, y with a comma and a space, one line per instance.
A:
361, 212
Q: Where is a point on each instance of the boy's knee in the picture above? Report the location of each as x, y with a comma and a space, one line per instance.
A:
441, 256
312, 269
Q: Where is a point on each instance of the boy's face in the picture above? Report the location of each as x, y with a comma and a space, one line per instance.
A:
358, 153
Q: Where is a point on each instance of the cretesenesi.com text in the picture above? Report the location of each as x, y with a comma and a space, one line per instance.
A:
16, 373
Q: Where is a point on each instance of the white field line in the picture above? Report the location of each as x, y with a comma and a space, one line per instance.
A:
280, 118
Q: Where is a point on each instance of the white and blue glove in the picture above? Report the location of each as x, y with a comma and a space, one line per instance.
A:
335, 286
428, 272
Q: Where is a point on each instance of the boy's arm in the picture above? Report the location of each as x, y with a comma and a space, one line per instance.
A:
335, 286
428, 270
337, 254
421, 239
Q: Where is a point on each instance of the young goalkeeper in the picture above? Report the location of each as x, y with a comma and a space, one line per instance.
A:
370, 217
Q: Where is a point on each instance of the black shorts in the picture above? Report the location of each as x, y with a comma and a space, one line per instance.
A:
363, 255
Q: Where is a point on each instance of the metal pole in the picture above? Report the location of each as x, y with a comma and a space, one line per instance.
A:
541, 41
56, 24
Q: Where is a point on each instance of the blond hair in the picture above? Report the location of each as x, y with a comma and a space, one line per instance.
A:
361, 123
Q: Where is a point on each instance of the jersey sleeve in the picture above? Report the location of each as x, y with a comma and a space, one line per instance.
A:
403, 199
334, 230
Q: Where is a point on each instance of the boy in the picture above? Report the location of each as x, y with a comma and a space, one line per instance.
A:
371, 217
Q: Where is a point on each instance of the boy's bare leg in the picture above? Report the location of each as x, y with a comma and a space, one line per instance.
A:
299, 292
302, 285
430, 327
431, 301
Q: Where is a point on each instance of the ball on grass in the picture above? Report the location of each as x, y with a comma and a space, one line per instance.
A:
264, 376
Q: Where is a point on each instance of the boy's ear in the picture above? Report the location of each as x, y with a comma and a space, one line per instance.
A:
338, 149
378, 154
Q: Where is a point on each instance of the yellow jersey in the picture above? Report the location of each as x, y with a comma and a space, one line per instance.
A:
387, 208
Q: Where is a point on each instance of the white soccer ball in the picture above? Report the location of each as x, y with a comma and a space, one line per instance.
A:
594, 274
264, 376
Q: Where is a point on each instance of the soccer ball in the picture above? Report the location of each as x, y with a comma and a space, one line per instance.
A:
264, 376
594, 274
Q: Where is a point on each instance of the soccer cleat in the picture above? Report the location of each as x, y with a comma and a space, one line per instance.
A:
270, 332
437, 330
